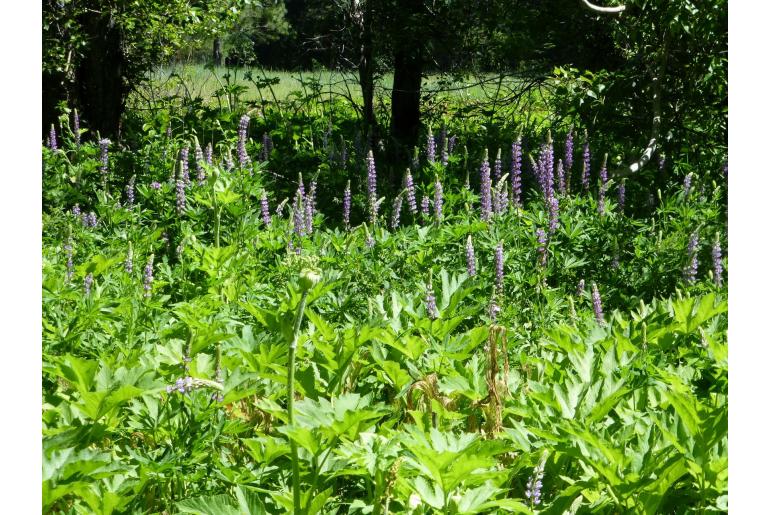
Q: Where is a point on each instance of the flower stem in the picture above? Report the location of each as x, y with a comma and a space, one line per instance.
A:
290, 403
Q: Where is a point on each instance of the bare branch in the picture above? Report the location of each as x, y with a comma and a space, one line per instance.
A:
604, 10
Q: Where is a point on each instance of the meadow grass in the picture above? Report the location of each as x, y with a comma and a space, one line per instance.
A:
195, 80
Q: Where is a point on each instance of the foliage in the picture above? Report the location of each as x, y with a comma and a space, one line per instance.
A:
170, 394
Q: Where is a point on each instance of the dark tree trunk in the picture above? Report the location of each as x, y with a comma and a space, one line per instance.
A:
217, 54
101, 90
366, 73
407, 78
405, 102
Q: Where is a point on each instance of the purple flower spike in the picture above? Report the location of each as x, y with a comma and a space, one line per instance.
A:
199, 159
597, 301
148, 276
535, 485
586, 164
181, 199
298, 214
560, 178
516, 172
470, 257
184, 165
130, 191
691, 270
209, 156
621, 196
716, 257
569, 151
52, 144
486, 188
87, 282
499, 271
430, 302
155, 185
267, 146
128, 265
581, 288
430, 150
346, 206
553, 213
687, 184
76, 210
411, 198
498, 169
396, 216
265, 208
104, 145
438, 200
310, 207
542, 250
243, 130
602, 185
425, 206
371, 181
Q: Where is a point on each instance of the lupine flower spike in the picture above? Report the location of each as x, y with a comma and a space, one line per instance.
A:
621, 196
104, 145
581, 288
128, 266
243, 129
346, 206
130, 191
438, 200
602, 185
486, 188
87, 282
516, 172
184, 165
52, 144
396, 216
498, 169
371, 180
199, 160
430, 302
597, 301
411, 198
148, 276
265, 208
535, 484
691, 270
586, 164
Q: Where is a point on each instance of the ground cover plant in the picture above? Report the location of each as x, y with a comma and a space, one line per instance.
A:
505, 332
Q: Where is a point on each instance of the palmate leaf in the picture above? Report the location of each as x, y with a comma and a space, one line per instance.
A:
221, 504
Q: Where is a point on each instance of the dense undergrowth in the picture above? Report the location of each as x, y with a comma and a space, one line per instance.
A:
426, 382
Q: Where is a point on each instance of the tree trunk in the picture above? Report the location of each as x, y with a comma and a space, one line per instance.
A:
366, 73
405, 100
217, 53
408, 41
101, 90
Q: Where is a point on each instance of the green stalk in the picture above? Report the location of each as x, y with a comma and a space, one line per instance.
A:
290, 403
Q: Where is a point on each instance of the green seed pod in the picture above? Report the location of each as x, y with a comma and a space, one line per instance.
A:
308, 278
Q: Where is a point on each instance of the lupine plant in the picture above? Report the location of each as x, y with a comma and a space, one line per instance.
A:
195, 359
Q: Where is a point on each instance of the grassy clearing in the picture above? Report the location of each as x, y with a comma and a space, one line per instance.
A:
200, 81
